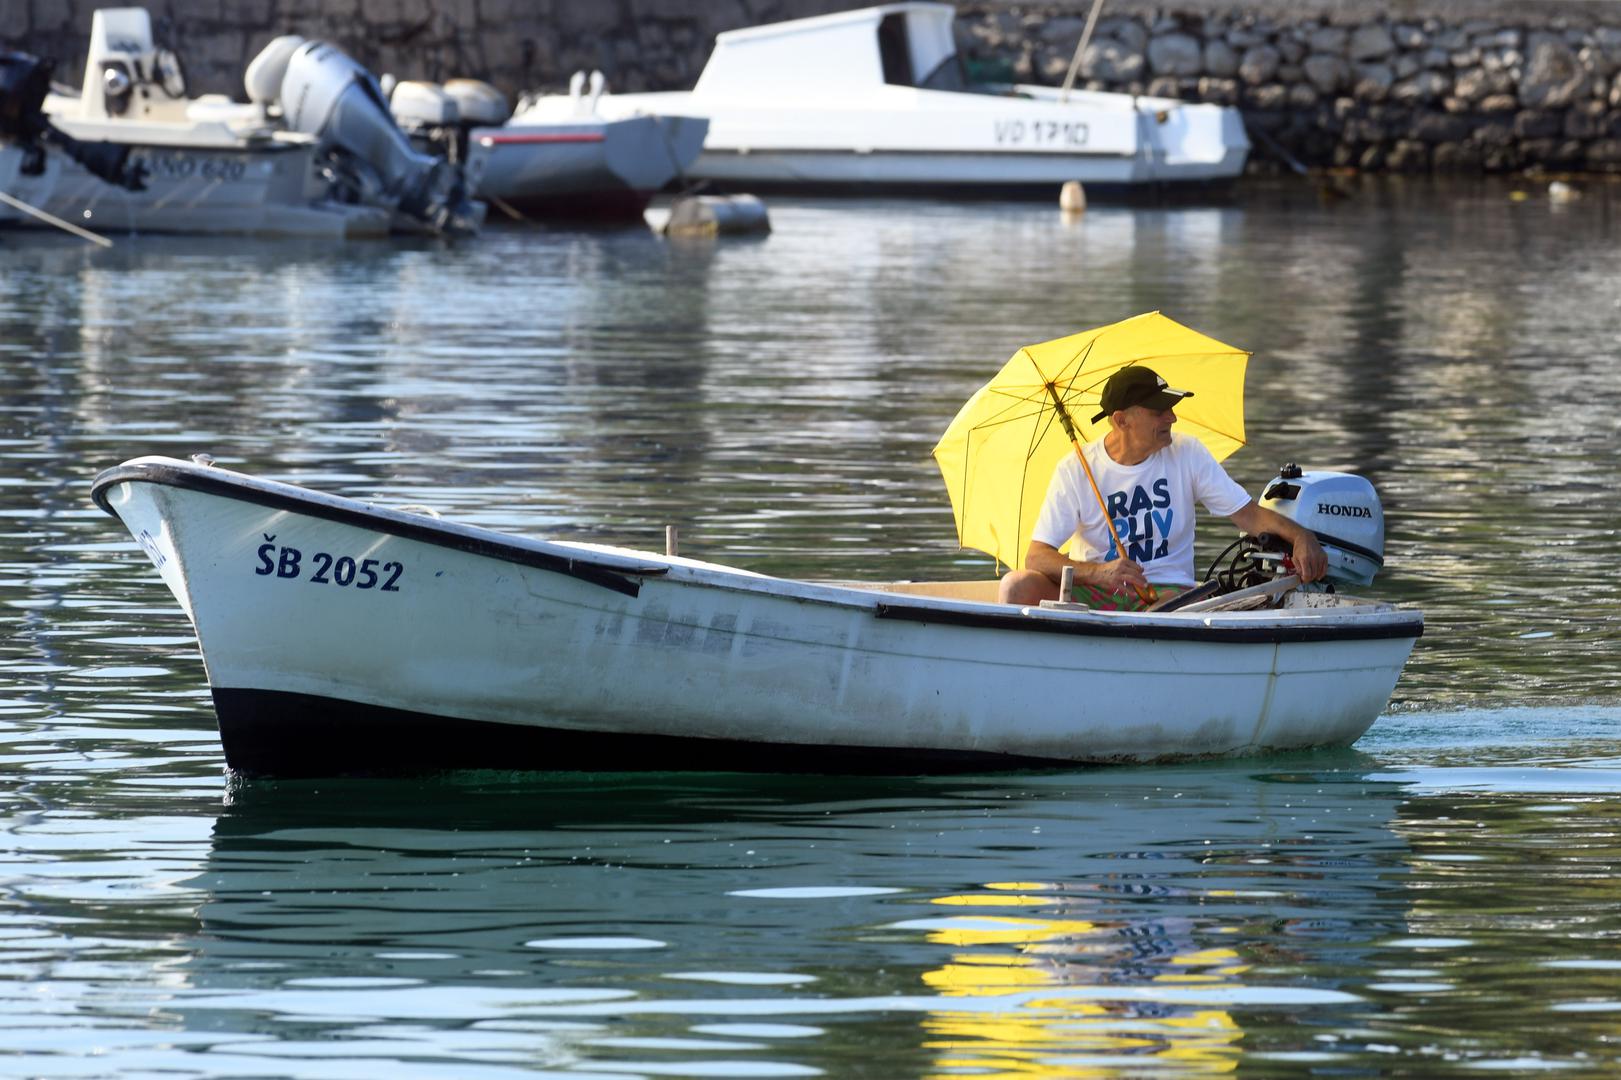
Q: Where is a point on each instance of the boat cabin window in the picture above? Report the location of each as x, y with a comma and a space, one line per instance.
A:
894, 50
904, 53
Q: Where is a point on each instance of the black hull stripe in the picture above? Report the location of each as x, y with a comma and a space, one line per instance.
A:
362, 517
272, 733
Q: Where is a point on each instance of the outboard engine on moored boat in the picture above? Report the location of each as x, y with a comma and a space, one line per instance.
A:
25, 79
323, 92
439, 120
1343, 510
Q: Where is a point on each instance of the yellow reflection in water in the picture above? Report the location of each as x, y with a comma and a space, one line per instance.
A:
1067, 1037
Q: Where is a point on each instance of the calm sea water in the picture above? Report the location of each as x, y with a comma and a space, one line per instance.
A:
1441, 900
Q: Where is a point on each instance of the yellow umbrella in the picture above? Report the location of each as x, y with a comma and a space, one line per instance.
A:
999, 453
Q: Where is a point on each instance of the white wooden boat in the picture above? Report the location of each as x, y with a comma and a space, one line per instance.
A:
878, 99
557, 157
341, 637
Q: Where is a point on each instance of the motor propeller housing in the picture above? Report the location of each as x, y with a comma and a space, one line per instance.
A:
1344, 512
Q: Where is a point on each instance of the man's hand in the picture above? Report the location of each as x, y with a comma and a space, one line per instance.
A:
1120, 576
1310, 561
1307, 553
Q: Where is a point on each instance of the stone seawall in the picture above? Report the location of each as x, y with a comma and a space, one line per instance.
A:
1446, 85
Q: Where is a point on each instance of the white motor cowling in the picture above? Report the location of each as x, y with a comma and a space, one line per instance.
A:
479, 103
1343, 510
327, 94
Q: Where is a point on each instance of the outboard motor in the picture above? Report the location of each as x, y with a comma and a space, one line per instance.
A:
326, 94
1343, 510
428, 116
25, 79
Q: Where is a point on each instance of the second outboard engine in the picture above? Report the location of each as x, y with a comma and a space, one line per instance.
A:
1343, 510
25, 79
326, 94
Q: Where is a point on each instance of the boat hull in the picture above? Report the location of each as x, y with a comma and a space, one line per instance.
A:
29, 178
584, 167
256, 189
340, 638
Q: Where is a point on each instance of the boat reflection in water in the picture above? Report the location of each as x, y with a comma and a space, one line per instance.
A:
1044, 924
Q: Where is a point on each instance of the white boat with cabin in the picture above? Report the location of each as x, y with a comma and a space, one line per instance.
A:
878, 99
344, 637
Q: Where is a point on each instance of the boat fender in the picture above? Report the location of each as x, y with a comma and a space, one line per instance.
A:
712, 215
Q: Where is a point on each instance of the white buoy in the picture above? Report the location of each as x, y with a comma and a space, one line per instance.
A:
1559, 191
1072, 198
710, 215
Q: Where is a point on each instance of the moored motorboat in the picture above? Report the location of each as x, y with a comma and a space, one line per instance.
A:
314, 153
556, 156
878, 99
33, 150
342, 637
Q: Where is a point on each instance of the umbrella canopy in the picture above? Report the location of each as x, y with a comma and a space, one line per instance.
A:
999, 453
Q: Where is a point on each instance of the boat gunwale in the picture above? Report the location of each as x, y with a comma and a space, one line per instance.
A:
620, 573
212, 480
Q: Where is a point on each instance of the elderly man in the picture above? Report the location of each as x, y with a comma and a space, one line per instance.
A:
1150, 478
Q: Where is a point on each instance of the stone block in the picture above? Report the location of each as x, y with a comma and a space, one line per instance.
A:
1062, 31
1408, 156
1456, 158
1111, 61
1259, 65
1493, 133
1220, 59
1597, 61
1372, 82
1371, 42
1499, 103
1554, 77
1329, 74
1330, 40
1421, 89
1537, 124
1408, 36
1128, 31
1302, 96
1218, 91
1175, 54
1604, 154
1166, 86
1274, 96
1471, 86
1440, 127
1587, 120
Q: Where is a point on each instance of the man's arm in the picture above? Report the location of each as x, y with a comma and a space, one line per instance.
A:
1310, 562
1110, 577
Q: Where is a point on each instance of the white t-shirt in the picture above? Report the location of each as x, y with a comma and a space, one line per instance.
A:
1151, 503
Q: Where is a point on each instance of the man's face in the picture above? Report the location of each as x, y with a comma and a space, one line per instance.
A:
1146, 429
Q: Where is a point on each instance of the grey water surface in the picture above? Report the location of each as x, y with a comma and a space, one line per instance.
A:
1440, 900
